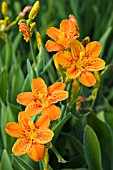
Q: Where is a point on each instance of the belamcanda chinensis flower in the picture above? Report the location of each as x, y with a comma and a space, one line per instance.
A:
81, 61
42, 99
23, 27
62, 37
31, 137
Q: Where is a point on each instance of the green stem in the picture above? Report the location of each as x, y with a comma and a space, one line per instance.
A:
60, 159
46, 160
34, 58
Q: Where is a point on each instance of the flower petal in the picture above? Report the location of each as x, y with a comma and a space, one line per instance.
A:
14, 130
76, 48
36, 152
21, 146
93, 49
64, 58
39, 86
73, 72
44, 135
53, 46
57, 96
95, 65
25, 98
87, 79
43, 121
53, 33
55, 87
23, 119
73, 19
34, 109
68, 27
53, 112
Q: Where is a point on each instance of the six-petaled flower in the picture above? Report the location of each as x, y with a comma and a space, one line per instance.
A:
31, 137
42, 99
81, 61
63, 36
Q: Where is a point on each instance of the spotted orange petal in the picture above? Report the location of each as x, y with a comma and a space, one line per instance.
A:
57, 96
87, 79
39, 86
43, 121
14, 130
25, 98
93, 49
56, 86
73, 19
73, 72
21, 146
53, 46
63, 58
36, 152
23, 119
76, 48
53, 112
95, 65
34, 109
53, 33
68, 28
44, 135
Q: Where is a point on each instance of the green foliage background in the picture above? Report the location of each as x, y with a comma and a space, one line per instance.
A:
86, 142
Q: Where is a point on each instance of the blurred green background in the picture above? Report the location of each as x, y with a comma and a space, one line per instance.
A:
95, 19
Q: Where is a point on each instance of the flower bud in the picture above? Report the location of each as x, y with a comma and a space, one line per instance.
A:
34, 10
23, 27
4, 8
38, 39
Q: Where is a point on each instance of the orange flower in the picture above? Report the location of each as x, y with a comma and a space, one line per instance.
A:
31, 137
63, 36
26, 31
80, 61
41, 98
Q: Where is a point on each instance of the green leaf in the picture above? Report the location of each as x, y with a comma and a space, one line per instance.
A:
92, 149
17, 82
3, 123
5, 161
108, 114
75, 143
74, 162
22, 163
26, 85
60, 126
3, 84
104, 38
105, 138
8, 52
16, 42
30, 71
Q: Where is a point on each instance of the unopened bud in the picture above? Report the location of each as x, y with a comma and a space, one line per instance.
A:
32, 26
38, 39
34, 10
4, 8
85, 41
27, 8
